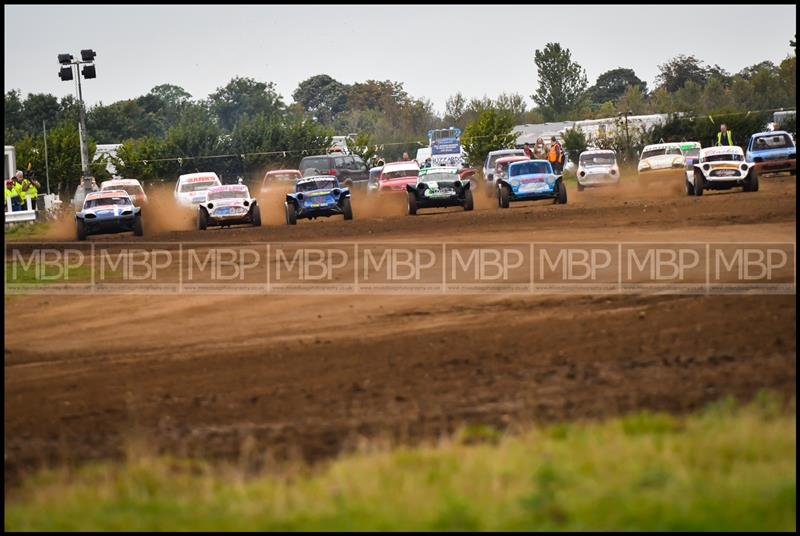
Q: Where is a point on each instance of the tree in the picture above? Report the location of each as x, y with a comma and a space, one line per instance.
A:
514, 103
13, 113
562, 81
244, 97
322, 96
362, 146
491, 130
575, 142
633, 100
675, 73
611, 85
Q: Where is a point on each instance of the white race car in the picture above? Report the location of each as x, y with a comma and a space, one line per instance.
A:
721, 168
596, 168
228, 205
661, 160
191, 188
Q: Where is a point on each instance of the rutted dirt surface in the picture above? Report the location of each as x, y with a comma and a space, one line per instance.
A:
312, 375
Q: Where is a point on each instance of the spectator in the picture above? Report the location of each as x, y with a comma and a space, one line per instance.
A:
11, 193
405, 157
527, 150
724, 136
555, 155
539, 150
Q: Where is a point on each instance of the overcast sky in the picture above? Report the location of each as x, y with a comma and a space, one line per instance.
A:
434, 50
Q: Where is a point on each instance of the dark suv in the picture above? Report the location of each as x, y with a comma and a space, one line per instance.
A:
349, 169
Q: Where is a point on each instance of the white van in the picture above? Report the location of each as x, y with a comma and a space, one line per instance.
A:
191, 188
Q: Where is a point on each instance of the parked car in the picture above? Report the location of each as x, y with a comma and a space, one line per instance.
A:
395, 176
279, 177
349, 170
109, 211
317, 197
439, 187
596, 168
530, 180
228, 205
661, 160
132, 186
191, 188
772, 152
722, 168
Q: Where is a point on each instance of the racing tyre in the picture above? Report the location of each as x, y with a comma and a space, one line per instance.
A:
689, 187
699, 183
138, 230
81, 229
202, 219
255, 216
751, 185
347, 208
561, 193
504, 196
468, 201
412, 204
291, 214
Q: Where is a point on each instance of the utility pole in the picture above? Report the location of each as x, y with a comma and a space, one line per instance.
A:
46, 163
66, 73
627, 136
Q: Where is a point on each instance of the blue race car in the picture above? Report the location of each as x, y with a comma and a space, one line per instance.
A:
772, 152
529, 180
315, 197
108, 211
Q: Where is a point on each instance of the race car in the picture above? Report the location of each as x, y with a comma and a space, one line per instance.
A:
530, 180
107, 212
132, 186
395, 176
661, 161
722, 168
317, 197
372, 182
228, 205
772, 152
439, 187
190, 190
501, 171
596, 168
279, 178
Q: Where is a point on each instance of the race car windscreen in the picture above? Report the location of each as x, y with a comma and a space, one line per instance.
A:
493, 159
660, 152
320, 163
133, 190
104, 201
779, 141
724, 158
227, 194
530, 168
439, 177
399, 174
597, 160
691, 153
283, 177
197, 186
320, 184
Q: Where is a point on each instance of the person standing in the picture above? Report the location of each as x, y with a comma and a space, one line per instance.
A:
539, 150
527, 150
405, 157
555, 155
11, 193
724, 136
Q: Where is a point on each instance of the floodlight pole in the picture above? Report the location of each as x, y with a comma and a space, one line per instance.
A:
87, 174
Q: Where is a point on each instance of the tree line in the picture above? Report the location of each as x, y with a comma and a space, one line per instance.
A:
165, 131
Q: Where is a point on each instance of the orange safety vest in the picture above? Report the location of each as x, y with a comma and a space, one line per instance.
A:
552, 156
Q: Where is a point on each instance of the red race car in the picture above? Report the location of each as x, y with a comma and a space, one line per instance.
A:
396, 175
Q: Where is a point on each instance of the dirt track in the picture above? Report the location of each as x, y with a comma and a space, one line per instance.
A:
311, 375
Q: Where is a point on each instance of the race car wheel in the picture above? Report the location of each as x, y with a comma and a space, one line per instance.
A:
468, 201
291, 214
689, 188
699, 183
202, 219
751, 184
412, 204
255, 216
81, 230
347, 208
504, 196
561, 193
137, 226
